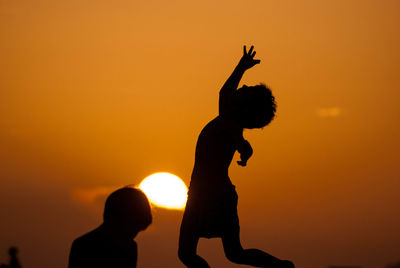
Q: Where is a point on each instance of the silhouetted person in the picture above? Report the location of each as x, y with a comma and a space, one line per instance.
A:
126, 212
211, 209
14, 263
393, 265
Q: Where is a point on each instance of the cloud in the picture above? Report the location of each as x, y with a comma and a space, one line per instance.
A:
329, 112
94, 196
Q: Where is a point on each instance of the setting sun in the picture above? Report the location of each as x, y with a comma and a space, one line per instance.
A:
165, 190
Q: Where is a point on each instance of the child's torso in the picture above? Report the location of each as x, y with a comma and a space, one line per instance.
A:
214, 152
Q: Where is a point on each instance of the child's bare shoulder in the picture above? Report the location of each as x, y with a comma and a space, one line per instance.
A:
230, 125
223, 124
221, 128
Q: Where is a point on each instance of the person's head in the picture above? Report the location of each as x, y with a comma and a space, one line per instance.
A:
129, 208
254, 106
12, 251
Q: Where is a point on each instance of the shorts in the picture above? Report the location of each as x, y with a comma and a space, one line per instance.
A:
211, 217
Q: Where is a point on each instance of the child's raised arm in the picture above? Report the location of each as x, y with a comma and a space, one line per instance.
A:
246, 62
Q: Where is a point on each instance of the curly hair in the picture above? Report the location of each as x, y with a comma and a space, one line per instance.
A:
254, 106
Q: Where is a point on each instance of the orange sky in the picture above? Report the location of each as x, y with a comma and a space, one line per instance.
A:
97, 94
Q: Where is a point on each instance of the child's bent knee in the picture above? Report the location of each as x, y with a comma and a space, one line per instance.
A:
191, 259
235, 256
185, 256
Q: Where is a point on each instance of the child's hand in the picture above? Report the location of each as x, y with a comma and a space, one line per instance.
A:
248, 61
245, 153
242, 163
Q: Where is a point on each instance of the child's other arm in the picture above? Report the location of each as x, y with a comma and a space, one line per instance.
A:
246, 62
245, 150
242, 145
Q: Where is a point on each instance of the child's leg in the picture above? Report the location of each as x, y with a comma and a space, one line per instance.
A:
187, 252
187, 247
235, 253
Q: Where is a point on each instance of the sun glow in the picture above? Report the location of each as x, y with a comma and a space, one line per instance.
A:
165, 190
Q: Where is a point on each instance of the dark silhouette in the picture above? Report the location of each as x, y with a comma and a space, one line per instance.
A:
126, 212
14, 262
211, 209
393, 265
344, 266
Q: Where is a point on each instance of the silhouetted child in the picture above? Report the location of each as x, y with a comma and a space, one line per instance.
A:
211, 209
126, 212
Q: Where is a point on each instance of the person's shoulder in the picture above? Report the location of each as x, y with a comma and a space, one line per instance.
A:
228, 124
90, 238
223, 124
213, 124
87, 250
